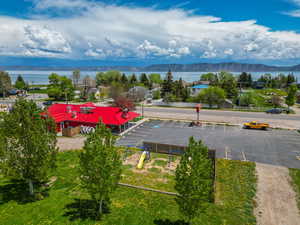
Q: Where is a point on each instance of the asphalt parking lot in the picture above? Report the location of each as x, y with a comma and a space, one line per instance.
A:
276, 147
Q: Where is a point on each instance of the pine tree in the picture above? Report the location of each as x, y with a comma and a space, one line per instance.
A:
100, 166
124, 79
29, 151
133, 79
168, 84
194, 181
144, 79
20, 83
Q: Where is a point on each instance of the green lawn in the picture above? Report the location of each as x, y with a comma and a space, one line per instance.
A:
295, 175
67, 203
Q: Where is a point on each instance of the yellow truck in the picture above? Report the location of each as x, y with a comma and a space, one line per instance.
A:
256, 125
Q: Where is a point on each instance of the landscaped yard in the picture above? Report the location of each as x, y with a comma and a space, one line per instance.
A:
67, 203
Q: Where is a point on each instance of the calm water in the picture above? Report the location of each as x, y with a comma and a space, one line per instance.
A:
41, 77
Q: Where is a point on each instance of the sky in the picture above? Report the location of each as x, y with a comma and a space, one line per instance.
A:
122, 32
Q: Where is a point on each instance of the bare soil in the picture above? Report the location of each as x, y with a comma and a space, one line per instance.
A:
70, 143
276, 199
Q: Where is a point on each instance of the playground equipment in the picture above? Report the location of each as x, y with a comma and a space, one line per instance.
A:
141, 161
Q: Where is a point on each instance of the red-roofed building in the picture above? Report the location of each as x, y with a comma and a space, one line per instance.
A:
67, 115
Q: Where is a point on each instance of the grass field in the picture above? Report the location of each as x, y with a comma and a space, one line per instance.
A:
295, 175
67, 203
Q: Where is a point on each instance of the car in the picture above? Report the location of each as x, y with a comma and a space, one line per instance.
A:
47, 103
256, 125
274, 111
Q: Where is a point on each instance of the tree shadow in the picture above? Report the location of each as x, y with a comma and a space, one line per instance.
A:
169, 222
18, 191
84, 209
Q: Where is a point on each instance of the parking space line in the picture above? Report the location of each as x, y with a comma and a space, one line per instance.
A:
244, 156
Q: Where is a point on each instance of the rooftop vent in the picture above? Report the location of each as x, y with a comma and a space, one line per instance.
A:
86, 110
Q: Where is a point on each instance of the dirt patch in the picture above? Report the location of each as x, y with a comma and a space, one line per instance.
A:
276, 199
70, 143
132, 160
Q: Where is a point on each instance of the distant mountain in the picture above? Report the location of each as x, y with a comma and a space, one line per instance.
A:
196, 67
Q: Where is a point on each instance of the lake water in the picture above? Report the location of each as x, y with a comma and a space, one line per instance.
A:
41, 77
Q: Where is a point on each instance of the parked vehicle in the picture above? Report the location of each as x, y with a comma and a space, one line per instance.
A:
288, 111
47, 103
256, 125
274, 111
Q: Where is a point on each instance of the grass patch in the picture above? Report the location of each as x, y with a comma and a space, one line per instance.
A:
68, 203
295, 175
154, 170
161, 163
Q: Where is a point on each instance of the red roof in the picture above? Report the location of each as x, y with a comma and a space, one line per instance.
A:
108, 115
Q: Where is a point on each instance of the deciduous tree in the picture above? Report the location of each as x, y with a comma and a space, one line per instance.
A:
212, 96
29, 148
291, 98
100, 166
5, 83
194, 181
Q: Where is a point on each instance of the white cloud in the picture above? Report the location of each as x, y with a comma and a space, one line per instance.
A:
114, 32
294, 13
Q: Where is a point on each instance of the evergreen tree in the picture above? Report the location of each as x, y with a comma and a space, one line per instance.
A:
124, 79
291, 98
194, 181
133, 79
29, 150
167, 85
290, 79
100, 166
20, 83
144, 79
76, 77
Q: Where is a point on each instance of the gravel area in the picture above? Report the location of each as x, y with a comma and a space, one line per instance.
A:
70, 143
276, 199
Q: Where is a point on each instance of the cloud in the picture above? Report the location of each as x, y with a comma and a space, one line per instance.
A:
294, 13
118, 32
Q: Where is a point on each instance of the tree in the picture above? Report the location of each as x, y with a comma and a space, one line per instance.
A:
76, 77
247, 99
124, 103
124, 79
290, 79
116, 90
29, 152
20, 83
276, 101
291, 97
5, 83
212, 96
245, 80
100, 166
167, 85
106, 78
194, 182
144, 80
228, 82
133, 79
155, 78
137, 93
60, 87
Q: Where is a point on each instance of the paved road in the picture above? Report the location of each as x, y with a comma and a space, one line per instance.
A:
233, 117
258, 115
276, 147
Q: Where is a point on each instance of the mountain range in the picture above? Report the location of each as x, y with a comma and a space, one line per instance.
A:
196, 67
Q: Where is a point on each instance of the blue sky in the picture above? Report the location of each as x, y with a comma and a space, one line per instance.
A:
119, 32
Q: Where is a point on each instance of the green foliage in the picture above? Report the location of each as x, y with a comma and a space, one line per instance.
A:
245, 80
20, 83
60, 87
106, 78
291, 97
211, 77
133, 80
212, 96
228, 82
144, 80
167, 85
194, 181
155, 78
29, 147
68, 203
295, 175
248, 99
156, 95
100, 165
5, 83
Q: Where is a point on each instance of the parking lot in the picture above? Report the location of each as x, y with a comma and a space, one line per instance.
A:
276, 147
